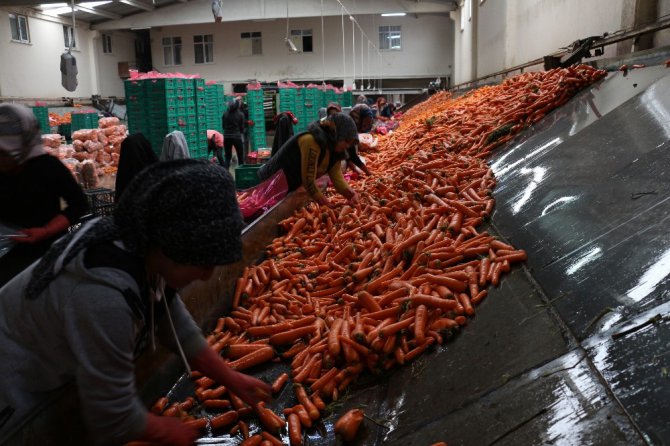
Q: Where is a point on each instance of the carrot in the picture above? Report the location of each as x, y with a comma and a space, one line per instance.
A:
159, 405
319, 383
272, 439
294, 430
392, 329
234, 351
279, 382
347, 425
224, 419
199, 423
291, 335
307, 403
269, 420
452, 284
420, 320
254, 440
367, 301
252, 359
333, 343
216, 404
433, 302
305, 420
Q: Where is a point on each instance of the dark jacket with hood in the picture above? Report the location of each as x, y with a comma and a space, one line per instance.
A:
233, 121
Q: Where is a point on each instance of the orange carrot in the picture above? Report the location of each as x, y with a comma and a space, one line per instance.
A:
347, 425
279, 382
294, 430
255, 358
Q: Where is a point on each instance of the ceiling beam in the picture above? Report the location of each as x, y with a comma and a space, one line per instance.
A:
100, 12
138, 4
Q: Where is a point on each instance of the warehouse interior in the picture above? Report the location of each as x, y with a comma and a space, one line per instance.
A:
517, 198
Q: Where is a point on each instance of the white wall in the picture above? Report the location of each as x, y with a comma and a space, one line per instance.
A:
512, 32
423, 50
106, 65
662, 38
33, 69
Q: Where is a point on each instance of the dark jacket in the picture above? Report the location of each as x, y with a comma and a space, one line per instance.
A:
233, 121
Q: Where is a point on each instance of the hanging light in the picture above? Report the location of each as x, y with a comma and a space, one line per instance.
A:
287, 40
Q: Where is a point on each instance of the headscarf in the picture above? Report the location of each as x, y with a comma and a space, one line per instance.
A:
345, 127
333, 106
358, 113
20, 136
174, 147
186, 208
136, 154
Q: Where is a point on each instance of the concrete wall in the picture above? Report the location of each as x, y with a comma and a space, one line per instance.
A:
33, 69
423, 51
510, 32
662, 38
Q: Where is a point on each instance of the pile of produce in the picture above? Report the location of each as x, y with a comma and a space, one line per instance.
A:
361, 289
93, 152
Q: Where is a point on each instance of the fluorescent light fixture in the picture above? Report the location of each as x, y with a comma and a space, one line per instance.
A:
94, 4
140, 28
58, 11
394, 14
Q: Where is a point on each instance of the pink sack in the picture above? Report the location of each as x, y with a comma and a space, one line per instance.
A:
257, 200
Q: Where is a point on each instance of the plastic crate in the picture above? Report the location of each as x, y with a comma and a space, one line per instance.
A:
100, 201
246, 176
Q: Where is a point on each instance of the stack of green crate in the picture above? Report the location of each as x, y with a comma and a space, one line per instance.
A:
312, 104
136, 105
301, 110
247, 176
338, 99
198, 146
166, 109
42, 115
256, 114
287, 100
329, 96
84, 120
347, 99
216, 105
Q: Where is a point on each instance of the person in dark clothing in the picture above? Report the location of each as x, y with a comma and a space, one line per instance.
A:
136, 154
248, 123
283, 129
233, 132
32, 184
388, 110
311, 154
362, 116
215, 145
98, 297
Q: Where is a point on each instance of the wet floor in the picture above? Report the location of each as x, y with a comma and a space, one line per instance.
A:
573, 347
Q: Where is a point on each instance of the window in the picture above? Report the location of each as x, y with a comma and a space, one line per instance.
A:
302, 39
68, 37
106, 44
390, 38
19, 26
172, 51
251, 44
204, 48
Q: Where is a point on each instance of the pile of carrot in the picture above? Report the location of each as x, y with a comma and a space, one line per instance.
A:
356, 289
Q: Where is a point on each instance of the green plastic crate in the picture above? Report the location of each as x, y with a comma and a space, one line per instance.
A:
42, 116
246, 176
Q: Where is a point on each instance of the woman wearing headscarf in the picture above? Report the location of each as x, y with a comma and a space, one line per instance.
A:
98, 296
175, 147
215, 145
234, 125
311, 154
136, 154
283, 129
362, 116
33, 183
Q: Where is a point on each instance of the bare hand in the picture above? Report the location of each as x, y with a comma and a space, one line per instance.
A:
249, 389
354, 198
32, 235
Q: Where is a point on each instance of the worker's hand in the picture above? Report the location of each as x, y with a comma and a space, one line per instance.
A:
354, 198
323, 201
251, 390
168, 431
32, 235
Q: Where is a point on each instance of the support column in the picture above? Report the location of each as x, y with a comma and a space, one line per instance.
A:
637, 13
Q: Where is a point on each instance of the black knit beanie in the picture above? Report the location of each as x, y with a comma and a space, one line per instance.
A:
187, 208
345, 127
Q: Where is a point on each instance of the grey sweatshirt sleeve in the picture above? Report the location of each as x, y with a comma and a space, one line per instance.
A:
189, 334
100, 328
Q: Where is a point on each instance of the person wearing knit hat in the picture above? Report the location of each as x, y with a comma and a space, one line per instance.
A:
283, 129
363, 117
98, 297
33, 184
175, 147
311, 154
